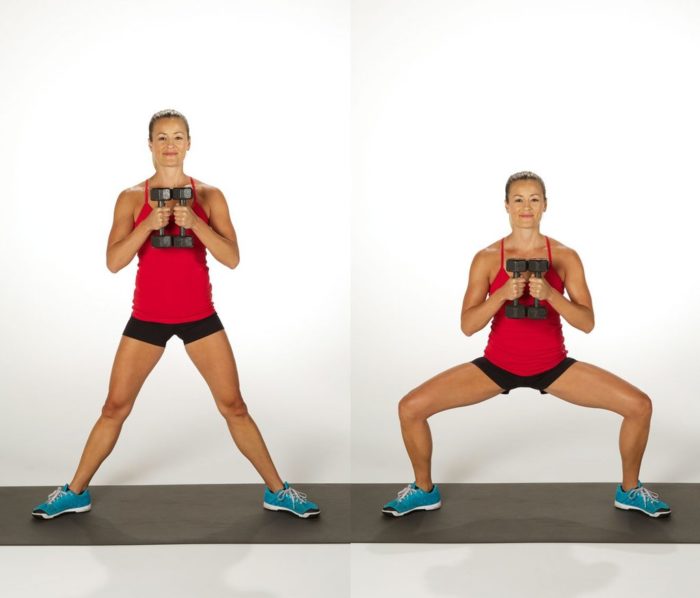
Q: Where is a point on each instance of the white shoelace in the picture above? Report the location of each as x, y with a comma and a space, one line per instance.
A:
647, 495
295, 495
56, 494
407, 491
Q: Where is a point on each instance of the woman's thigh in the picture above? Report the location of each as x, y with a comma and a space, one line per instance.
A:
133, 362
213, 357
459, 386
590, 386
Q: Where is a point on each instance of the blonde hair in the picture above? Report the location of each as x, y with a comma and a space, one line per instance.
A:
524, 175
169, 113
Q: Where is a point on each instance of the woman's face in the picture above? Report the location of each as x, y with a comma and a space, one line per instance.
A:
525, 204
170, 142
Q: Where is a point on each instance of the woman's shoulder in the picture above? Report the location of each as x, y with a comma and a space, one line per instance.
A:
561, 252
132, 195
558, 246
489, 255
204, 186
207, 192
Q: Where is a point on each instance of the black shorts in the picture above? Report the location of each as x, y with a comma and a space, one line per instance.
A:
159, 334
508, 381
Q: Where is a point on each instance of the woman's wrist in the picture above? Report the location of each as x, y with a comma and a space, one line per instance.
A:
198, 224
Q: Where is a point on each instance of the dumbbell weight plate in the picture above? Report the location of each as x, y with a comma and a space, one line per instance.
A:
161, 242
179, 193
184, 242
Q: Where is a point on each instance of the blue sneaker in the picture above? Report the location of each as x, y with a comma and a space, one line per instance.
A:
63, 500
289, 499
412, 498
641, 499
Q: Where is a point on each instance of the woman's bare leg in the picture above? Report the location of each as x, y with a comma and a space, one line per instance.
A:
133, 362
213, 357
590, 386
461, 385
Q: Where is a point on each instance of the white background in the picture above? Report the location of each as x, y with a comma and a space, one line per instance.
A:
265, 86
448, 99
600, 99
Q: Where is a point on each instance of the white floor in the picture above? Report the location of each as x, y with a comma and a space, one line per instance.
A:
525, 570
176, 571
329, 571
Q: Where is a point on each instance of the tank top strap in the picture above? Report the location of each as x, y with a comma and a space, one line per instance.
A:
194, 191
145, 201
502, 252
549, 251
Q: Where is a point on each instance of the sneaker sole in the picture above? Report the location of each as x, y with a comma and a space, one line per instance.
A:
270, 507
434, 507
76, 510
625, 507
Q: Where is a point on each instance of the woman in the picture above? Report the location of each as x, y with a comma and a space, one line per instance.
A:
172, 296
526, 352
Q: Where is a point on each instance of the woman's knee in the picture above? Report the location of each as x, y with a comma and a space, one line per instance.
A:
233, 407
413, 406
641, 406
117, 409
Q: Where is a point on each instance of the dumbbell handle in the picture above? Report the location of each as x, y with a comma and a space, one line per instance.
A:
516, 275
537, 301
183, 202
161, 204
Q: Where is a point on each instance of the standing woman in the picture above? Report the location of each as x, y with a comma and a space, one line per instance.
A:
172, 296
526, 353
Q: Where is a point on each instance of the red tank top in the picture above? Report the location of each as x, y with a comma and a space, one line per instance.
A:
526, 347
172, 285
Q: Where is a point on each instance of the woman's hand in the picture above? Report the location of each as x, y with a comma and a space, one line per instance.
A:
184, 216
540, 288
513, 289
158, 218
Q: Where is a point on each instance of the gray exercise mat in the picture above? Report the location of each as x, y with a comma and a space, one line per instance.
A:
503, 513
180, 514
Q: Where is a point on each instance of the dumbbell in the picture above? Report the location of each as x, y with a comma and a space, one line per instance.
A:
515, 310
182, 194
161, 195
538, 267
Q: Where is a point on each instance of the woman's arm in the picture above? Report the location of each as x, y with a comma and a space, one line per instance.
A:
477, 310
219, 237
123, 243
578, 311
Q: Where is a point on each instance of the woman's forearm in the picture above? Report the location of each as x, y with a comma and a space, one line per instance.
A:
475, 318
223, 249
121, 253
579, 316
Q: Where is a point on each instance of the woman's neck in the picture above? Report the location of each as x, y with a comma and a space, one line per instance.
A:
169, 178
525, 239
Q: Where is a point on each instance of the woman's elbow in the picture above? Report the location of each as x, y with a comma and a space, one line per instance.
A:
112, 266
234, 255
589, 325
467, 329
